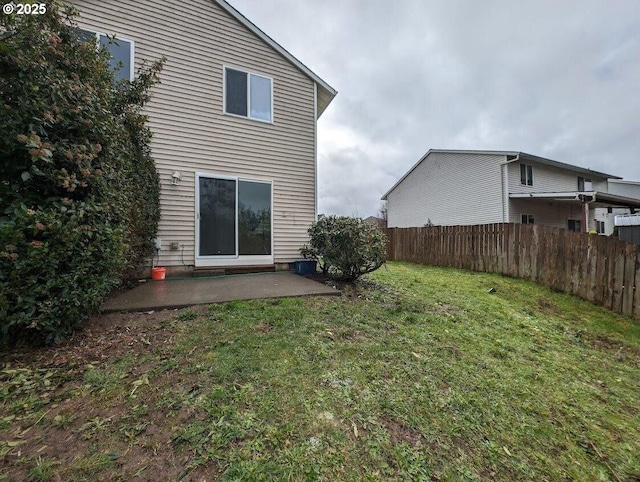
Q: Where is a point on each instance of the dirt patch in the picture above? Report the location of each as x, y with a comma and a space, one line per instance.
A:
399, 432
621, 351
357, 290
548, 308
264, 327
350, 335
56, 415
463, 446
100, 338
445, 308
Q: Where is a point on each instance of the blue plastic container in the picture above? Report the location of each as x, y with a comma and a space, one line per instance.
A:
305, 266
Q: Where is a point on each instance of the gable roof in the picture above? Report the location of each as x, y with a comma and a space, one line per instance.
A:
326, 93
523, 156
511, 156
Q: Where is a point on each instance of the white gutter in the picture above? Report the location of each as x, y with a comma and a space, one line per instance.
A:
568, 195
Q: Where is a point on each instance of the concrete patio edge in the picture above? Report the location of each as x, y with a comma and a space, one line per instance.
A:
184, 292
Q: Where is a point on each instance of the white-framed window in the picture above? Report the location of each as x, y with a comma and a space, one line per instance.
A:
526, 174
120, 49
527, 219
247, 94
600, 227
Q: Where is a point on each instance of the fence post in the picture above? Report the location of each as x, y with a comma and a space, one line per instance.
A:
602, 270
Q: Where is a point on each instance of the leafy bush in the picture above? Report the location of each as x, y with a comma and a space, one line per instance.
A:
346, 248
79, 197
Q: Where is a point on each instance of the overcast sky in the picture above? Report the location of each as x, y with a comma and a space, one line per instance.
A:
558, 79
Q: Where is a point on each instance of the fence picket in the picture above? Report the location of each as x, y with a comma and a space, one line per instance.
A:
630, 255
605, 271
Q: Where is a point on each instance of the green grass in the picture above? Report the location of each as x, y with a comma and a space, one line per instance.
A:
417, 373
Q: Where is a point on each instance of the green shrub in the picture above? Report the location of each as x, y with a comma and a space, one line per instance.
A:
79, 192
345, 248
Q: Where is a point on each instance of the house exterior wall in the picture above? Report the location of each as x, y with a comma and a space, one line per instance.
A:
549, 179
469, 187
191, 132
546, 211
608, 218
625, 188
621, 188
449, 189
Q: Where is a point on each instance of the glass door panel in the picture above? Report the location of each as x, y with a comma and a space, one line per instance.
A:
217, 217
254, 218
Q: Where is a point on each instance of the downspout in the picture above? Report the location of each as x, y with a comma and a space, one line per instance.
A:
586, 210
315, 148
505, 188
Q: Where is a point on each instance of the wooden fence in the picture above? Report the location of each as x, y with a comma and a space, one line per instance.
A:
600, 269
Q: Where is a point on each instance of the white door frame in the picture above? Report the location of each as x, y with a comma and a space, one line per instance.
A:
228, 260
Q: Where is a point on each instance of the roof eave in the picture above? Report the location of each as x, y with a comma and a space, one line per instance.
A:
562, 165
596, 196
329, 92
617, 199
619, 180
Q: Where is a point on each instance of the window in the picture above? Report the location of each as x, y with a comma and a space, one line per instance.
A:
600, 227
248, 95
527, 219
584, 184
526, 175
121, 51
574, 225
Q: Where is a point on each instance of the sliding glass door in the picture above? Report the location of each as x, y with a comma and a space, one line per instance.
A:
217, 217
254, 218
234, 221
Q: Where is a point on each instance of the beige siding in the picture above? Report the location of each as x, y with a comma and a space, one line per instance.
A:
191, 133
449, 189
549, 179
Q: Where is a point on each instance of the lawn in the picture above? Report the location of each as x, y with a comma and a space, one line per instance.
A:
416, 373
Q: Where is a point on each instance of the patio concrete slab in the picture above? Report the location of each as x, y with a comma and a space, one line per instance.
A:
178, 293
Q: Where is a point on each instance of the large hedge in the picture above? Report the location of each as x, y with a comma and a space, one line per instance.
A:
79, 192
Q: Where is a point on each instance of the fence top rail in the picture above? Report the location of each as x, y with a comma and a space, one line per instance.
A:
601, 269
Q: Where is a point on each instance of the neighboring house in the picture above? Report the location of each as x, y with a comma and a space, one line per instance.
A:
452, 187
605, 217
628, 226
234, 122
380, 222
625, 188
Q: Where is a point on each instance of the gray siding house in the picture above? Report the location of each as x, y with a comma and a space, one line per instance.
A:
235, 125
605, 217
455, 187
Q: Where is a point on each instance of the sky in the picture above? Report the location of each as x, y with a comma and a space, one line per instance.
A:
554, 78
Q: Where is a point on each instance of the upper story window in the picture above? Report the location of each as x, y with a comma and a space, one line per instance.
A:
526, 174
248, 95
574, 225
121, 51
584, 184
